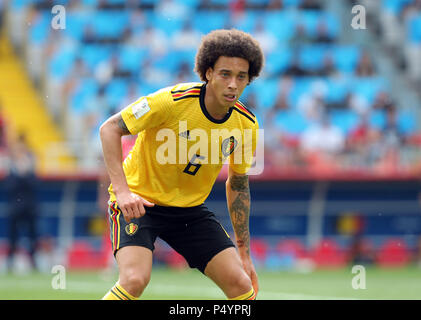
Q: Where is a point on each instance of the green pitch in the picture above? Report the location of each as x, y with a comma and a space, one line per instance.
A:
191, 284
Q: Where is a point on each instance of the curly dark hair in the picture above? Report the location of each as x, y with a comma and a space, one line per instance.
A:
228, 43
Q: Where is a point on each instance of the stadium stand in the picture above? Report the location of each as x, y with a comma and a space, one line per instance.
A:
92, 63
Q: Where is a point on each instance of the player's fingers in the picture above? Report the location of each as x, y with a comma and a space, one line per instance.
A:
148, 203
254, 282
138, 210
127, 213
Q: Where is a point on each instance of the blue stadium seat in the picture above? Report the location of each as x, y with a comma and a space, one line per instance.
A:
40, 30
281, 23
206, 21
394, 6
291, 121
168, 26
309, 19
346, 120
311, 56
86, 90
368, 87
414, 29
75, 24
346, 57
93, 54
377, 119
247, 21
109, 23
407, 121
266, 92
131, 58
116, 91
337, 90
61, 63
279, 60
301, 86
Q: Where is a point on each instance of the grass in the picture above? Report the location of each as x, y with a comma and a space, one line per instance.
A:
189, 284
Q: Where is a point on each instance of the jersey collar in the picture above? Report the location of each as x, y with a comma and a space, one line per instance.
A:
206, 113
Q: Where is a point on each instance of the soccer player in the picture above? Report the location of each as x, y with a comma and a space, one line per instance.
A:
160, 188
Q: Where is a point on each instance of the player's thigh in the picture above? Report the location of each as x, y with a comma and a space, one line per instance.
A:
226, 270
134, 264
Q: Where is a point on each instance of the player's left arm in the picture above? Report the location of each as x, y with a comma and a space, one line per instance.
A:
238, 200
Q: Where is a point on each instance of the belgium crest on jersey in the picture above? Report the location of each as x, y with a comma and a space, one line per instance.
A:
228, 146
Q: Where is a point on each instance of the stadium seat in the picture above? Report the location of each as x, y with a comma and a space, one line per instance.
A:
291, 122
61, 62
328, 254
346, 120
94, 54
393, 253
293, 247
346, 57
259, 250
102, 26
82, 255
281, 22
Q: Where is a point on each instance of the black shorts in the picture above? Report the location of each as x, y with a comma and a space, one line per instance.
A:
193, 232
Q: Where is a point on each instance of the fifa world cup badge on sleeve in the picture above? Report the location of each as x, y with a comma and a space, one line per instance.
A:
140, 107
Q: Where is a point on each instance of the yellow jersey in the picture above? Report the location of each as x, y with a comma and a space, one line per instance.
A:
180, 148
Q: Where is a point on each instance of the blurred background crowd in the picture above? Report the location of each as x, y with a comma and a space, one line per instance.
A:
330, 97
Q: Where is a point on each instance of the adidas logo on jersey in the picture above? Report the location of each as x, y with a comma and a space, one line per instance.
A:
185, 134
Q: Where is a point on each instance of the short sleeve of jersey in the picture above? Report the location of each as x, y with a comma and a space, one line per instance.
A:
241, 160
147, 112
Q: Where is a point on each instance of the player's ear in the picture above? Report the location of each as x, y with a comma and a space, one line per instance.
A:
209, 73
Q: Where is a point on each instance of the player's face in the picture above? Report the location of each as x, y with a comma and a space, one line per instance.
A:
227, 79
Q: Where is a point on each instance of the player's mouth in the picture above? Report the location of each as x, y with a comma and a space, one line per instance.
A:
230, 97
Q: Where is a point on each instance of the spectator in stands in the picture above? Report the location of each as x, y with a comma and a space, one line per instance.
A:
365, 67
187, 38
266, 38
312, 105
323, 137
172, 9
155, 39
310, 5
357, 103
22, 187
322, 33
393, 135
382, 101
294, 69
89, 36
300, 37
275, 5
210, 5
328, 68
184, 73
80, 69
360, 142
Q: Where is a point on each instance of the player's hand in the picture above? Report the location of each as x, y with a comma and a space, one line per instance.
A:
251, 272
132, 205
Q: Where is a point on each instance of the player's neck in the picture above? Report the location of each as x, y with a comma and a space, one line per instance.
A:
213, 107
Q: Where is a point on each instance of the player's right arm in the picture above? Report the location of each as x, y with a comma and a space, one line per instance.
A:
111, 131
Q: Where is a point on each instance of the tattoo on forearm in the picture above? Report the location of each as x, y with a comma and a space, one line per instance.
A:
240, 211
122, 125
240, 183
